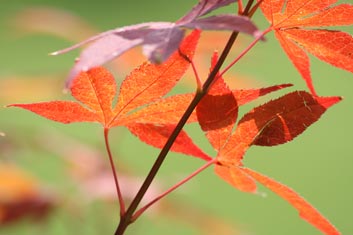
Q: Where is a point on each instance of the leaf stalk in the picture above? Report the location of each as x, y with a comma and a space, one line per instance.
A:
111, 161
177, 185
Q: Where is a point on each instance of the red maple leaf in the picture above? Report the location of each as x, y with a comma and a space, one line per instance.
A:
160, 118
95, 91
276, 122
273, 123
297, 26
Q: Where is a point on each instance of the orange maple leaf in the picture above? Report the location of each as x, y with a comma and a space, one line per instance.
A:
294, 23
96, 90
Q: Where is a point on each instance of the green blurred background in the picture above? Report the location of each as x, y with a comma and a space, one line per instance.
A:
318, 164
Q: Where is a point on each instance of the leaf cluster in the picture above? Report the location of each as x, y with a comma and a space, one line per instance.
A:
143, 108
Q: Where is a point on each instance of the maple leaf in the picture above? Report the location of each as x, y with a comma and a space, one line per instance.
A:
158, 39
294, 23
217, 125
160, 118
96, 90
157, 136
273, 123
155, 123
169, 110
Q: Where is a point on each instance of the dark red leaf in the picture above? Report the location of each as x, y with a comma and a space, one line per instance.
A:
291, 115
276, 122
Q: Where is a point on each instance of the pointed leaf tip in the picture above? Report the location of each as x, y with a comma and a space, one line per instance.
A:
306, 211
61, 111
274, 123
245, 96
289, 116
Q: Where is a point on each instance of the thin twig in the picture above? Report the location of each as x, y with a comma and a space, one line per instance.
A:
126, 219
177, 185
118, 191
246, 50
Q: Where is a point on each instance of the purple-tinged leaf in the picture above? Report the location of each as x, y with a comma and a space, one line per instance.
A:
158, 39
102, 50
202, 8
139, 28
160, 44
224, 22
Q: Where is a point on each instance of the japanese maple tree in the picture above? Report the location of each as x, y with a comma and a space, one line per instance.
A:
144, 107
